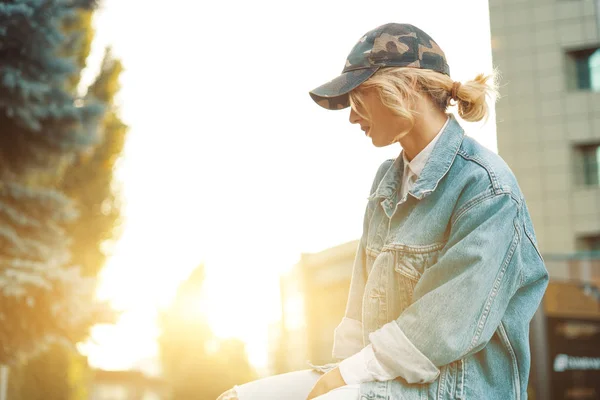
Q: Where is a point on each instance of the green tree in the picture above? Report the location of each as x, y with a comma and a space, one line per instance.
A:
87, 178
60, 373
57, 373
195, 364
43, 298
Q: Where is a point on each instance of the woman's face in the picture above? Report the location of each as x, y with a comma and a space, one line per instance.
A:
378, 123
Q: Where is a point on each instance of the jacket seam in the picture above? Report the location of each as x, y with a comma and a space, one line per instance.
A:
513, 356
497, 188
424, 249
521, 279
371, 252
529, 236
480, 198
479, 161
414, 279
462, 381
472, 203
442, 383
495, 288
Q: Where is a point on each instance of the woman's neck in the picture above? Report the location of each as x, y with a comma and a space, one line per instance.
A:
428, 123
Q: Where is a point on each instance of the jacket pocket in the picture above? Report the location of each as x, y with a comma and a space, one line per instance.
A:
371, 254
409, 264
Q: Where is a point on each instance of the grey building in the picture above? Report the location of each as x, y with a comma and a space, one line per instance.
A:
313, 301
548, 120
548, 124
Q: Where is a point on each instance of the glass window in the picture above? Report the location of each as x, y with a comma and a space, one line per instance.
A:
588, 168
594, 64
593, 243
584, 69
591, 166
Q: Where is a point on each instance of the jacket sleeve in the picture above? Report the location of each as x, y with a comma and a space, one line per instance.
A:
460, 300
348, 337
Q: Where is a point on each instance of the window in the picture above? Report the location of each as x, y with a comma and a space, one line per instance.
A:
589, 243
588, 164
583, 69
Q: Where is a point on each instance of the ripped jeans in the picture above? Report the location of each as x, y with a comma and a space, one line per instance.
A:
291, 386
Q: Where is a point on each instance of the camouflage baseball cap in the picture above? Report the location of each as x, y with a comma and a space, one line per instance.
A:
390, 45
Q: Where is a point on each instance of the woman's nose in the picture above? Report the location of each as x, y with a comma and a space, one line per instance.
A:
354, 117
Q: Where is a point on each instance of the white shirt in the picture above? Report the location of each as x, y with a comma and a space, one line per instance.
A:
413, 168
363, 366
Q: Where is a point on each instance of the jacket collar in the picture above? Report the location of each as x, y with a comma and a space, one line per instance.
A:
436, 167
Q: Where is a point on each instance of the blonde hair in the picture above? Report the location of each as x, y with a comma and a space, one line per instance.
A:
399, 87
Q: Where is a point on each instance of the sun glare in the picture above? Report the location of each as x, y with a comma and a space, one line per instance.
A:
244, 184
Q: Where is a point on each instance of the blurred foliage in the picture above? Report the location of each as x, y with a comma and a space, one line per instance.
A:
89, 180
55, 374
42, 121
58, 204
196, 365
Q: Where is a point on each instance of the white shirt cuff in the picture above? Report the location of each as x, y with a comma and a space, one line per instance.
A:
354, 369
364, 367
347, 338
395, 352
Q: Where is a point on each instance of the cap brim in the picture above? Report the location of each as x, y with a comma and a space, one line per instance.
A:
334, 94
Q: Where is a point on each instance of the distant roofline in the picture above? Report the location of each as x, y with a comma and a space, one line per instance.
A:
135, 377
580, 255
340, 251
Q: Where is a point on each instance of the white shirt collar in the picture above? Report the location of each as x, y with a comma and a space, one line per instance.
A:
417, 164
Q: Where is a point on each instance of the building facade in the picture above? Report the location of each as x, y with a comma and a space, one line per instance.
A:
548, 119
126, 385
313, 299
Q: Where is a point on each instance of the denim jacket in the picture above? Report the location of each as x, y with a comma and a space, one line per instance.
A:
455, 266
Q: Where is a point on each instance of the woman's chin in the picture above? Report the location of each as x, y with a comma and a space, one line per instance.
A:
379, 143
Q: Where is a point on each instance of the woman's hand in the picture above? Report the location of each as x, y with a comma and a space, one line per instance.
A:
331, 380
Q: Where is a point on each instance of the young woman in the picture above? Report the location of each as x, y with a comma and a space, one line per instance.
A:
447, 275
